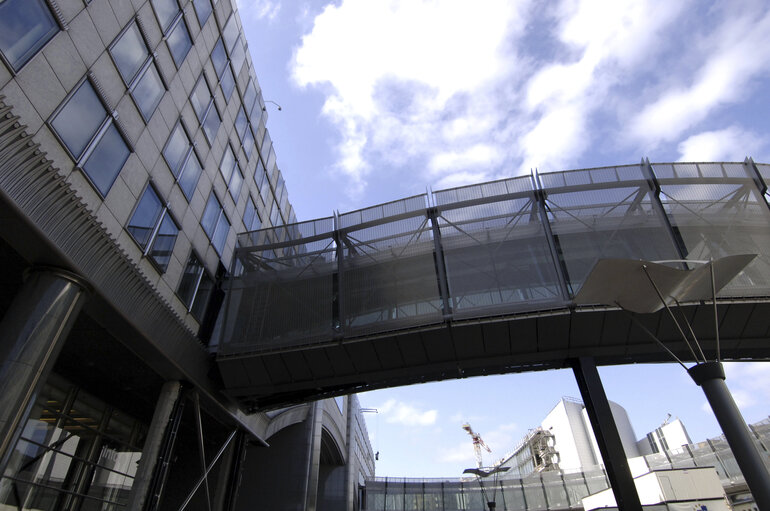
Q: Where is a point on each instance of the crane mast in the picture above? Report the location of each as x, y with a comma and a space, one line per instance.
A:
478, 443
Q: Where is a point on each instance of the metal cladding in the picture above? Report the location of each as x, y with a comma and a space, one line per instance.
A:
482, 279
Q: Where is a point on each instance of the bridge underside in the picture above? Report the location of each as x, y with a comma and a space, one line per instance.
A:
482, 280
489, 346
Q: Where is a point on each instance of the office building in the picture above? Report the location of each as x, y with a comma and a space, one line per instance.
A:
133, 149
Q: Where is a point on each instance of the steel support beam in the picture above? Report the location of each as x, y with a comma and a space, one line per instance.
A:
438, 254
606, 433
711, 378
32, 333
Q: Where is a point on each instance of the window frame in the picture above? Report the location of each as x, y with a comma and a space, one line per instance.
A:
180, 18
196, 286
189, 153
141, 73
216, 223
202, 22
206, 111
109, 120
165, 211
38, 46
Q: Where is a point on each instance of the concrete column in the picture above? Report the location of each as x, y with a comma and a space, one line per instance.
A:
32, 334
710, 376
315, 425
164, 408
351, 472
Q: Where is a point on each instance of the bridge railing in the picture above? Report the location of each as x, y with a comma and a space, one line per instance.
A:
523, 244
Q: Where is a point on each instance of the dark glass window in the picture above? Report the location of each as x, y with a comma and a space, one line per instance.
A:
205, 286
231, 171
203, 10
153, 228
148, 91
250, 96
230, 33
227, 82
166, 11
215, 223
251, 217
136, 66
182, 160
129, 53
25, 27
219, 57
195, 287
179, 42
86, 129
238, 56
240, 122
248, 143
203, 104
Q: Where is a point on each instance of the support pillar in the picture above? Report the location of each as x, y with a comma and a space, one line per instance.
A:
32, 334
315, 424
161, 433
710, 376
606, 433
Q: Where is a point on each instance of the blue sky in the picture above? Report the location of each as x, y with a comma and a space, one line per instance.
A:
384, 99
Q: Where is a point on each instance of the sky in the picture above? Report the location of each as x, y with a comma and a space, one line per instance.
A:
384, 99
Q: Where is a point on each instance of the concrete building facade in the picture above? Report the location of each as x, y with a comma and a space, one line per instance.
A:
133, 149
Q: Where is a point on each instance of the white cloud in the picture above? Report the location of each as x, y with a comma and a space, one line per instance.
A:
735, 54
408, 415
259, 9
729, 144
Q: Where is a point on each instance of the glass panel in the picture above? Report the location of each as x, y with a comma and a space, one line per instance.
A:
227, 164
192, 271
211, 124
203, 10
25, 26
200, 98
145, 217
79, 120
220, 235
106, 160
211, 215
248, 214
248, 143
727, 216
235, 183
166, 10
238, 57
129, 53
250, 96
176, 148
190, 174
179, 42
149, 91
202, 297
230, 33
163, 245
219, 57
240, 123
228, 83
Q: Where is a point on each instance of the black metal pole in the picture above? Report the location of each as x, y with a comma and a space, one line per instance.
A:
711, 378
606, 432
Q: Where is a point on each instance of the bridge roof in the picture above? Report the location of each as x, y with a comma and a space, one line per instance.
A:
482, 280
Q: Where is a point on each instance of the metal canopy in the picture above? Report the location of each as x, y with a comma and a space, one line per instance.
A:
625, 283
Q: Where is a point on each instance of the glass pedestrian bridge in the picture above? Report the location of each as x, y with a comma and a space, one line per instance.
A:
480, 279
556, 489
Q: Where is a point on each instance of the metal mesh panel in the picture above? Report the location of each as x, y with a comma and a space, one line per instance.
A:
555, 490
382, 211
593, 221
716, 219
388, 276
483, 191
285, 293
596, 176
497, 258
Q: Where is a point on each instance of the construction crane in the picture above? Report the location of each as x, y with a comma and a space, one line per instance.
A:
478, 443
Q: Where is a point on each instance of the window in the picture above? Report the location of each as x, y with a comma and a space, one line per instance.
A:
153, 229
203, 10
195, 287
137, 67
251, 217
25, 27
182, 160
230, 33
248, 143
240, 122
174, 28
231, 171
203, 104
215, 223
87, 131
178, 40
224, 74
